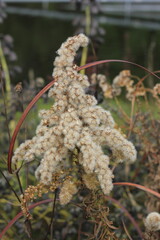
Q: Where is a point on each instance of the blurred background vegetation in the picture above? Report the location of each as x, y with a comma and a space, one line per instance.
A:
129, 31
30, 34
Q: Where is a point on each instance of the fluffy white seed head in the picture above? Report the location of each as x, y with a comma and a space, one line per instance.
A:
67, 191
152, 221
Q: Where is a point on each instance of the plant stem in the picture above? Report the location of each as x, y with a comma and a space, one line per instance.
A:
87, 32
5, 68
50, 227
5, 104
19, 182
10, 186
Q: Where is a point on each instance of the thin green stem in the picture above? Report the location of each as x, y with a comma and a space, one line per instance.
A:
5, 69
5, 104
87, 32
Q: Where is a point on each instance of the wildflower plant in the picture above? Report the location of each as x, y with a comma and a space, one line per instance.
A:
74, 124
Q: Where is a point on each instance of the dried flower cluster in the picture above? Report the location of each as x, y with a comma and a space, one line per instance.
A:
124, 79
74, 121
95, 206
156, 92
102, 82
68, 189
33, 192
152, 221
90, 181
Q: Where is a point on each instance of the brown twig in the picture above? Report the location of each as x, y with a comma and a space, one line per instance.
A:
50, 227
